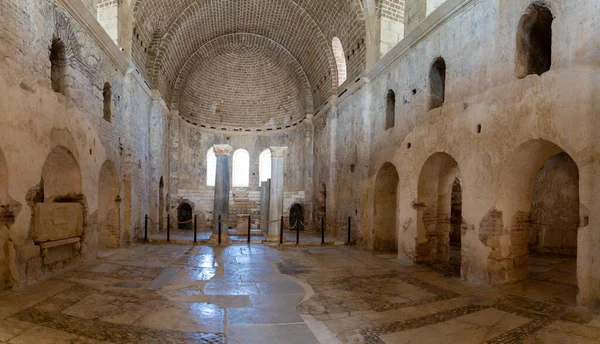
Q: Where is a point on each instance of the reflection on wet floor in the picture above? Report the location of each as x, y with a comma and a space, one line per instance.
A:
258, 294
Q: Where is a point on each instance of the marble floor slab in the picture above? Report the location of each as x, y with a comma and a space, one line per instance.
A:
262, 294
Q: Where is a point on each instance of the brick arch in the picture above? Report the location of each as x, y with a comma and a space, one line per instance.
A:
214, 47
60, 27
299, 34
305, 25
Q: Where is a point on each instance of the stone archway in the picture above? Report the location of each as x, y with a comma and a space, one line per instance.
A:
434, 208
184, 216
60, 208
297, 217
109, 201
385, 210
541, 212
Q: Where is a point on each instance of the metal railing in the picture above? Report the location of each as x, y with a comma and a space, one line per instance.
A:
297, 225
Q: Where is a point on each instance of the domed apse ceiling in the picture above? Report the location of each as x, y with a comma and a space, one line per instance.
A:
246, 63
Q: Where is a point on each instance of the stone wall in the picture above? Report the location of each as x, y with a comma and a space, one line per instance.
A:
36, 121
189, 145
555, 207
498, 128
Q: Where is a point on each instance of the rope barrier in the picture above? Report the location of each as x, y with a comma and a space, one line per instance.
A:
185, 222
291, 228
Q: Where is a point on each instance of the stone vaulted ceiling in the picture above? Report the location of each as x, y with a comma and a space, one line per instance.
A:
194, 50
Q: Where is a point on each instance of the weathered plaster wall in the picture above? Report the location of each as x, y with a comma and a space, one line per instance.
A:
188, 147
555, 207
36, 120
498, 128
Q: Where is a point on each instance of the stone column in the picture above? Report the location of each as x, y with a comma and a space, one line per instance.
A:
308, 169
276, 191
222, 187
265, 193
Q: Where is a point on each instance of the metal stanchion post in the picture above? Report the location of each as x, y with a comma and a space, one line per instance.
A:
349, 228
168, 227
146, 229
219, 229
322, 231
297, 233
195, 229
249, 227
281, 231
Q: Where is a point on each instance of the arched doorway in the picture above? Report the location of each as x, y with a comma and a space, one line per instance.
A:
297, 217
161, 205
109, 217
59, 208
539, 199
439, 213
385, 210
184, 216
61, 177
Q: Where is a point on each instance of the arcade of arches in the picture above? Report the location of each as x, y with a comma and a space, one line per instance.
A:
458, 138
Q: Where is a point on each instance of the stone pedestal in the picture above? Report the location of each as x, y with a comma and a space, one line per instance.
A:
242, 224
265, 193
276, 192
222, 187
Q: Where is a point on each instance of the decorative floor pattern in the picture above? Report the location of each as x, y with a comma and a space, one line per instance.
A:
257, 294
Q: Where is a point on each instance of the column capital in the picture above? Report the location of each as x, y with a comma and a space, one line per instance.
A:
278, 152
223, 150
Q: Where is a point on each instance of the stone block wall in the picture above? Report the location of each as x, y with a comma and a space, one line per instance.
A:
36, 120
500, 129
189, 145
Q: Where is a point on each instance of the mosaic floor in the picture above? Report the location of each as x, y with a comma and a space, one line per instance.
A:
257, 294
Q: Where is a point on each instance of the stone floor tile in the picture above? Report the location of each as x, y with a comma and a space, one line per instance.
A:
279, 288
231, 289
260, 334
263, 316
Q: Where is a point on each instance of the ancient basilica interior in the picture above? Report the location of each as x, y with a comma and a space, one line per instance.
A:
299, 171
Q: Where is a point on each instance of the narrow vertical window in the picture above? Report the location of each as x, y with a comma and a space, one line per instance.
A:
437, 82
534, 41
241, 168
264, 163
107, 95
390, 110
340, 59
58, 65
211, 167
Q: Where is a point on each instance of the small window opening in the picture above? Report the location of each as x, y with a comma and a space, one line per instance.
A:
534, 41
107, 95
58, 63
437, 81
478, 128
390, 112
338, 53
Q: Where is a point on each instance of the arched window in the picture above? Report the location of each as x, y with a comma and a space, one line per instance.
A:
340, 59
241, 168
107, 95
437, 82
264, 166
211, 167
390, 110
534, 41
58, 66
